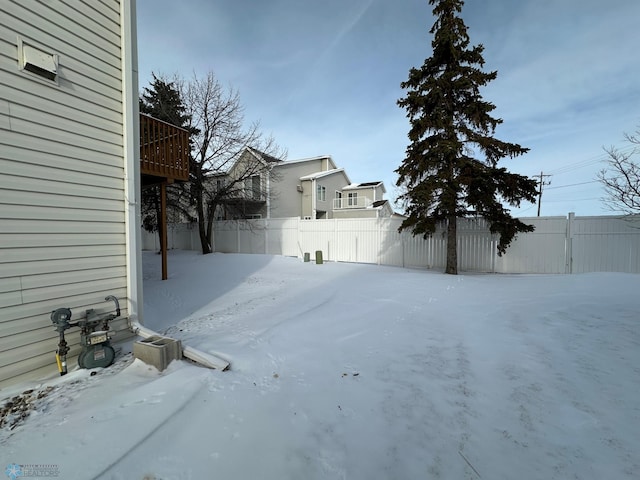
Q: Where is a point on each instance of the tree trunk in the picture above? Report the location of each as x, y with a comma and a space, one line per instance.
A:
204, 244
210, 214
452, 245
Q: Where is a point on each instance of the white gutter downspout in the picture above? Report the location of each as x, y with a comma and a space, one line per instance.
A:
131, 153
313, 199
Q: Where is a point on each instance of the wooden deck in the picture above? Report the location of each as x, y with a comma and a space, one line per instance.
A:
164, 151
164, 159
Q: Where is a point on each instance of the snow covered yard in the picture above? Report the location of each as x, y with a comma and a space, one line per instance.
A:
343, 371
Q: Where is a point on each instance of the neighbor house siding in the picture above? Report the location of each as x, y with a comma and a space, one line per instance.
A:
62, 183
286, 200
333, 182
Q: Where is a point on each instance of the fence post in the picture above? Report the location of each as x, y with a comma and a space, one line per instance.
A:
494, 252
402, 240
266, 236
237, 236
569, 244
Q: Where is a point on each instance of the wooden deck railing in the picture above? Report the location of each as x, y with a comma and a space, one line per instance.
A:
164, 149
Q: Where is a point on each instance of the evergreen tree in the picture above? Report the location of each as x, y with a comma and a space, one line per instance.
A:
450, 169
162, 100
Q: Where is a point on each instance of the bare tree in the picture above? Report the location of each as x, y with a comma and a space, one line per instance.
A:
221, 173
621, 179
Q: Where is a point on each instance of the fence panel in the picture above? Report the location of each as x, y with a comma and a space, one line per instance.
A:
182, 236
542, 251
558, 244
605, 244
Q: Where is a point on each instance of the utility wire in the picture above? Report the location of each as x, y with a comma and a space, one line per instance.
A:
570, 185
589, 161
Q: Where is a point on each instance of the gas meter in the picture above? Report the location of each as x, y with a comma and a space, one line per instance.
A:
95, 338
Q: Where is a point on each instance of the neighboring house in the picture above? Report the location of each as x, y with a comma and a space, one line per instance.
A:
245, 187
362, 200
314, 188
69, 173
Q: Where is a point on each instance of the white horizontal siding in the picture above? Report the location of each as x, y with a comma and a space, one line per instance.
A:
26, 106
105, 13
57, 169
32, 128
52, 240
52, 213
28, 182
62, 228
89, 202
80, 101
41, 149
17, 255
62, 200
65, 266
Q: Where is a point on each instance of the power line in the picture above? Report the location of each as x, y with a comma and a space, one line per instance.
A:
570, 185
573, 200
589, 161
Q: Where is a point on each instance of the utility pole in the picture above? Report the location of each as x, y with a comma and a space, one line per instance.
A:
541, 182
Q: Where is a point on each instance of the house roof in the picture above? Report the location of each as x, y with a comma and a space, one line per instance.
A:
310, 159
264, 156
325, 173
355, 186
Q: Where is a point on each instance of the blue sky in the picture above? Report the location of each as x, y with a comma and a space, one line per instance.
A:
324, 77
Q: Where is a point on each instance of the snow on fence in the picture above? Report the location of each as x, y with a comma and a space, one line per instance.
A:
558, 244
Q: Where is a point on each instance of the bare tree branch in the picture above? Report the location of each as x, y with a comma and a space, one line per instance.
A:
621, 179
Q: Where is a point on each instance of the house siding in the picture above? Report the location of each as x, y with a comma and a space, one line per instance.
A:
63, 240
287, 201
333, 182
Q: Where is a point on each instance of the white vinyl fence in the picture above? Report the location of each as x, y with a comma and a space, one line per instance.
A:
558, 244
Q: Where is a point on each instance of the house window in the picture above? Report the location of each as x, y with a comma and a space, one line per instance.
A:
353, 199
252, 187
255, 187
338, 201
220, 184
321, 193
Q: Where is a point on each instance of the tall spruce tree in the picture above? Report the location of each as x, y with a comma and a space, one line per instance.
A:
162, 100
450, 170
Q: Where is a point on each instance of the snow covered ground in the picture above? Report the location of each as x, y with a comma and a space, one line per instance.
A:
344, 371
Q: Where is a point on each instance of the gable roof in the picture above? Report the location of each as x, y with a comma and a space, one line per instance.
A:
264, 156
325, 173
310, 159
355, 186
